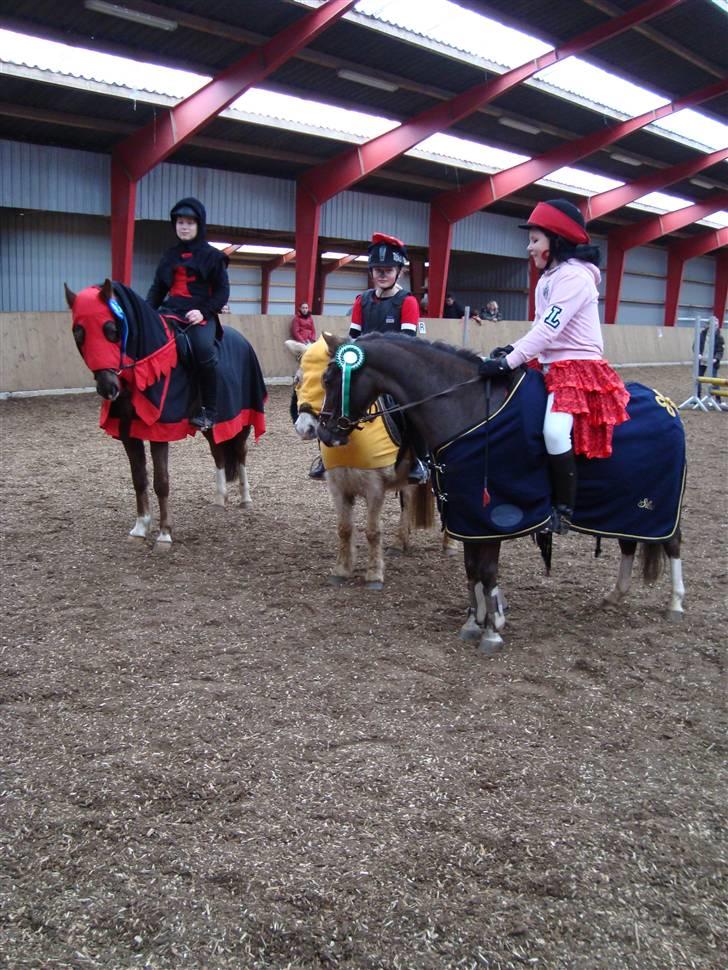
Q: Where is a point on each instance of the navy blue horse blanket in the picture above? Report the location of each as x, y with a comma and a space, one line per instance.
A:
634, 494
164, 392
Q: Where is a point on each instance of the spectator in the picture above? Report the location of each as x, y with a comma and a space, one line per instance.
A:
302, 327
718, 348
453, 310
491, 312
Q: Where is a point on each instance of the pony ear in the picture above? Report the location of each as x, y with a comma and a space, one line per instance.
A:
70, 296
107, 291
333, 342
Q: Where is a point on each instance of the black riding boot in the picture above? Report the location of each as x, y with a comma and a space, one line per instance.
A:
207, 415
563, 487
317, 470
419, 473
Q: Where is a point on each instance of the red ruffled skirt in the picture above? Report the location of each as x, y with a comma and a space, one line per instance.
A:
595, 394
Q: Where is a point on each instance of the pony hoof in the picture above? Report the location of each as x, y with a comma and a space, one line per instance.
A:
135, 540
246, 504
374, 584
337, 580
490, 644
675, 616
219, 501
468, 632
162, 546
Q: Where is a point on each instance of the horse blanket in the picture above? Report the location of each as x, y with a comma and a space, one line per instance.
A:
634, 494
164, 392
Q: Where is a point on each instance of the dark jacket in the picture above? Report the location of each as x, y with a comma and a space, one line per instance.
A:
453, 312
191, 275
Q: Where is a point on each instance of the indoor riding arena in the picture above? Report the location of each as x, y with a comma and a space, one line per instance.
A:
214, 756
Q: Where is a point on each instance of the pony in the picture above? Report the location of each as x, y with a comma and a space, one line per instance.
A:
144, 372
367, 468
490, 468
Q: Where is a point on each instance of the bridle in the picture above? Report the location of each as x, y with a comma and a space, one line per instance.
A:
346, 424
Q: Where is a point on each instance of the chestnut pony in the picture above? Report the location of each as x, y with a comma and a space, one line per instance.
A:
149, 391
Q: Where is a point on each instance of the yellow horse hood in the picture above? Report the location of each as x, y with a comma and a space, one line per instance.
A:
314, 362
370, 447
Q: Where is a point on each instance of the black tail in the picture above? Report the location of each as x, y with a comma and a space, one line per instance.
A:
230, 460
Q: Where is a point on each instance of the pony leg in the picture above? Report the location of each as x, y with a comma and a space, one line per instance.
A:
345, 557
624, 576
138, 464
449, 545
374, 578
677, 595
675, 610
160, 460
220, 488
241, 449
487, 606
406, 516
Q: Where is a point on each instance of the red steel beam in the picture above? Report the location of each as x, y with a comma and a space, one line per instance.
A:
606, 202
265, 270
147, 147
456, 204
626, 238
678, 254
720, 303
323, 182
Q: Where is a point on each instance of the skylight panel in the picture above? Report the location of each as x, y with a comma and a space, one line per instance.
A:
602, 87
458, 28
326, 117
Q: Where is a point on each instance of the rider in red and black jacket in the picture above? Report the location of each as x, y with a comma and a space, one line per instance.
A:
191, 282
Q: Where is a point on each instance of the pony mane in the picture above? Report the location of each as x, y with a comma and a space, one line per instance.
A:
440, 345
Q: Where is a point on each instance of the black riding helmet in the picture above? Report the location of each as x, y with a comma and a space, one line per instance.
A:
387, 251
191, 208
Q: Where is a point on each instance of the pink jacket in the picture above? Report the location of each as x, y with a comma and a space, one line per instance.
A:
567, 323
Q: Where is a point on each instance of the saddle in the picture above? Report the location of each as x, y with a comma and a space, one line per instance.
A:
185, 354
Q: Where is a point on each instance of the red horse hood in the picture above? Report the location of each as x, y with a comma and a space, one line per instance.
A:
97, 332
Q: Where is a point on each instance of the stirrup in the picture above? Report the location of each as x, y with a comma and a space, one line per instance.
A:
204, 420
317, 470
560, 522
418, 473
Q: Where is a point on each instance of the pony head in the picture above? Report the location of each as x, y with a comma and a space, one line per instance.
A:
98, 333
348, 393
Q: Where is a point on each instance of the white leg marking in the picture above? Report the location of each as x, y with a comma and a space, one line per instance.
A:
480, 605
220, 487
244, 489
678, 587
141, 527
499, 615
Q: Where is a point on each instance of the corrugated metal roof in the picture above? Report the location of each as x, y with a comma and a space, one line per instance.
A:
202, 44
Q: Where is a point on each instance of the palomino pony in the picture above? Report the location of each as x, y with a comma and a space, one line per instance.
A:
490, 466
149, 393
366, 468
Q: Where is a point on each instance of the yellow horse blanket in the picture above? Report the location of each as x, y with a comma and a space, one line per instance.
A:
369, 447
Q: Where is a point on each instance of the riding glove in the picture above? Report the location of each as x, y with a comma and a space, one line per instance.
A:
493, 367
501, 351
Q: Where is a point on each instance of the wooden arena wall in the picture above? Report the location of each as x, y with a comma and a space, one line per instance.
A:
37, 351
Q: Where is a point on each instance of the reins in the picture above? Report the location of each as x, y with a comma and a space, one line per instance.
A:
346, 424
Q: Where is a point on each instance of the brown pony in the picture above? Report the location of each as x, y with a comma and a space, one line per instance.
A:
446, 400
148, 394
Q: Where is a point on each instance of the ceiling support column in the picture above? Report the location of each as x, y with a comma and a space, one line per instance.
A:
629, 237
678, 254
720, 302
440, 242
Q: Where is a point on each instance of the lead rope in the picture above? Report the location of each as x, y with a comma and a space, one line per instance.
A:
486, 493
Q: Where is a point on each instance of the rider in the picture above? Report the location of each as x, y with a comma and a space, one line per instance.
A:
586, 398
192, 282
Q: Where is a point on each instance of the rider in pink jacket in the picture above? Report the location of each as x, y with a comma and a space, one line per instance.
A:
586, 398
